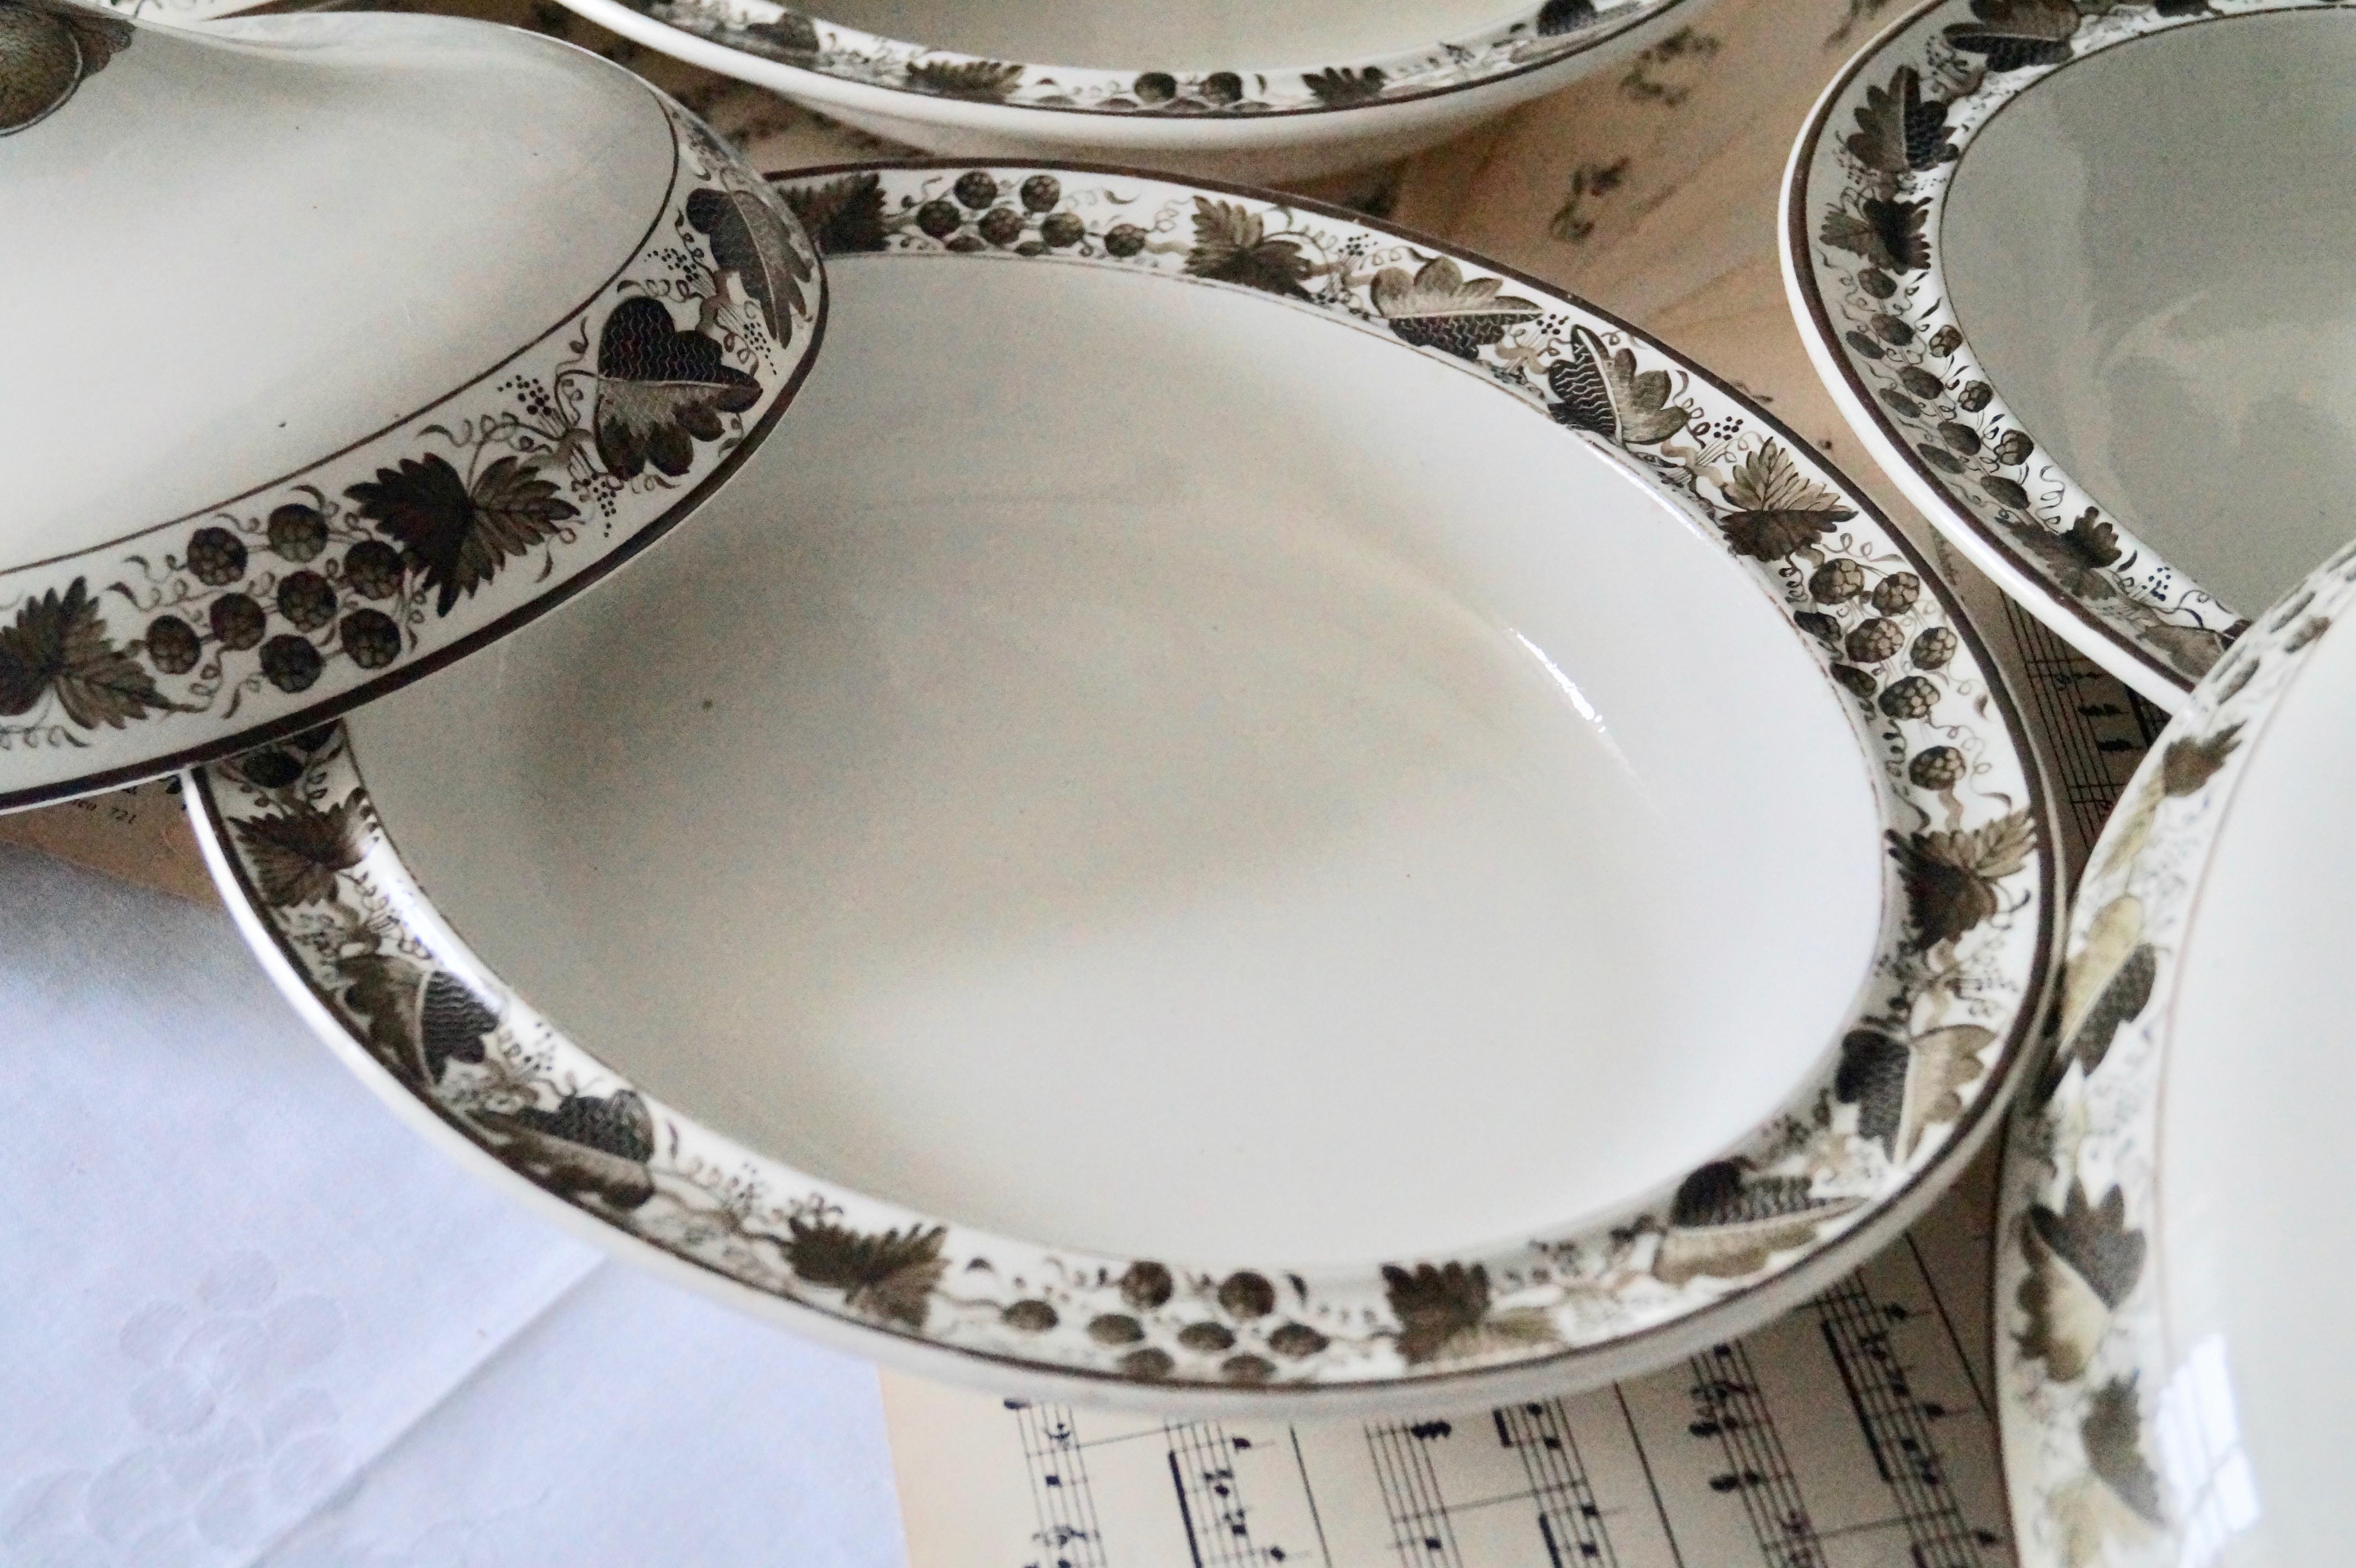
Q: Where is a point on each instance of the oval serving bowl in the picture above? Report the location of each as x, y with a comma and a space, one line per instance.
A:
2170, 1269
1230, 89
2138, 426
372, 425
1222, 820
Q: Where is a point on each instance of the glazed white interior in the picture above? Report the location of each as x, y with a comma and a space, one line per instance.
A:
251, 307
1134, 765
1154, 34
2153, 252
2254, 1240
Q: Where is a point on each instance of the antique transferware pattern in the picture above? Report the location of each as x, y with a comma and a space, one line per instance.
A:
46, 49
2081, 1348
1968, 920
1539, 36
370, 565
1870, 178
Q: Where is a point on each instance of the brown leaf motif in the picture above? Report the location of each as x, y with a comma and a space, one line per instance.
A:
2193, 761
792, 38
1605, 393
1338, 87
1444, 1314
2111, 935
418, 1021
889, 1276
586, 1146
294, 858
1725, 1223
843, 216
385, 990
47, 50
659, 390
1904, 1088
2189, 649
2075, 559
2113, 1434
2017, 33
1780, 509
1898, 131
2105, 985
1887, 233
2083, 1262
1951, 878
1232, 246
456, 538
59, 647
2188, 764
1438, 307
980, 82
749, 243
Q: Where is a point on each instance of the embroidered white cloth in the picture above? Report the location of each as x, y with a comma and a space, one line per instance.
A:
249, 1317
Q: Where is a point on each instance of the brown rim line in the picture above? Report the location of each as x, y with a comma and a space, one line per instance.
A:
425, 664
1736, 1310
1642, 14
2118, 655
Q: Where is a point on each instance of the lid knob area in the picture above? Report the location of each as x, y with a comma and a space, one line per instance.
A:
343, 344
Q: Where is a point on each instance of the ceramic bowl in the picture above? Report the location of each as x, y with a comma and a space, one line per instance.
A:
2138, 422
369, 424
2170, 1271
1231, 89
1240, 810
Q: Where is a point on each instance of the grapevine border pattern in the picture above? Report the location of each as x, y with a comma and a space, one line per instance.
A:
206, 635
1905, 1093
1541, 35
2084, 1360
1871, 178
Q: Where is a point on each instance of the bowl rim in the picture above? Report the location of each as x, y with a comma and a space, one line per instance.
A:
2041, 537
1501, 51
2081, 1156
2003, 957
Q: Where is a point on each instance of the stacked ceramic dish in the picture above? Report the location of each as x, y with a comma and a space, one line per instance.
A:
1079, 781
2077, 274
1227, 88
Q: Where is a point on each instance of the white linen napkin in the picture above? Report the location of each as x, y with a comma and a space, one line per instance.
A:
237, 1295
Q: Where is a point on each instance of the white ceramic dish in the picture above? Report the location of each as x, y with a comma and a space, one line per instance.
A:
182, 11
1400, 836
370, 423
2139, 424
2173, 1273
1231, 89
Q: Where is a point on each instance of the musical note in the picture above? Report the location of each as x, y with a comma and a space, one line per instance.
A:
1894, 1424
1059, 1489
1411, 1492
1730, 1407
1211, 1506
2095, 728
1539, 1433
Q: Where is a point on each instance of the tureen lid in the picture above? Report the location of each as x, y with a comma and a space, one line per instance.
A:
344, 345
